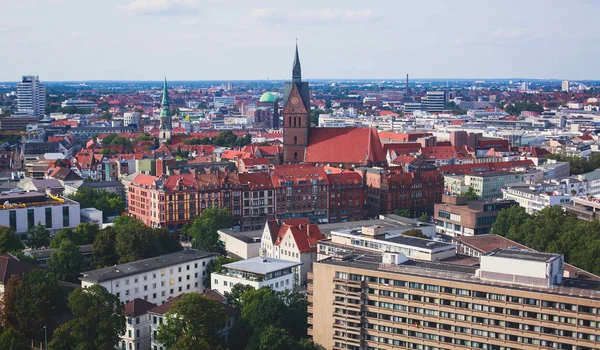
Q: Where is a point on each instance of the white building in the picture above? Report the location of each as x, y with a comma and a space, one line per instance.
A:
535, 197
522, 267
31, 96
155, 279
257, 272
83, 104
138, 326
131, 118
21, 210
292, 240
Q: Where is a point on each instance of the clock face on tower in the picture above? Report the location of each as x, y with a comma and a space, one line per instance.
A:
295, 100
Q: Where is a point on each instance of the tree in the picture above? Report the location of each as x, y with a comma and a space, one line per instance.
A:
470, 194
8, 240
424, 217
234, 297
30, 302
39, 236
109, 203
215, 265
509, 219
415, 232
135, 241
62, 235
203, 229
85, 233
193, 322
273, 338
104, 251
402, 212
67, 261
97, 324
11, 339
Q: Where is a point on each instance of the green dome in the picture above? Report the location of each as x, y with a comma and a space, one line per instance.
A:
268, 97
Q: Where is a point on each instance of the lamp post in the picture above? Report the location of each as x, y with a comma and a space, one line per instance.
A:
45, 338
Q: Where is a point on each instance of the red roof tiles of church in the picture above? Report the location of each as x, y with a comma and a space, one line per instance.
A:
344, 145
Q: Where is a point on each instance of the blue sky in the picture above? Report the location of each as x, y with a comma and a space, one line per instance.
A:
254, 39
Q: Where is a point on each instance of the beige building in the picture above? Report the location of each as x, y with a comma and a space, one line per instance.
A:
514, 300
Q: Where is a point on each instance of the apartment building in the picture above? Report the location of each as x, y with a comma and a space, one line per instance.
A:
536, 197
257, 272
155, 279
138, 326
293, 240
458, 217
21, 210
514, 300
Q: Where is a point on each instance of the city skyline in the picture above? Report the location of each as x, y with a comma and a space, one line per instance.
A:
196, 40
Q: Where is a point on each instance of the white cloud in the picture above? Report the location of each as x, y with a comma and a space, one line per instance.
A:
189, 22
504, 36
160, 7
274, 15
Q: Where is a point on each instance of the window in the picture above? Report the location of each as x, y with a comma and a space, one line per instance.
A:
30, 218
12, 218
66, 220
48, 212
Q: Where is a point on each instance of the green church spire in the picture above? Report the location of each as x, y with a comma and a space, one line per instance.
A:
165, 113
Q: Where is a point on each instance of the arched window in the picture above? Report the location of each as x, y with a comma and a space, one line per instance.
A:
294, 122
290, 121
295, 156
295, 140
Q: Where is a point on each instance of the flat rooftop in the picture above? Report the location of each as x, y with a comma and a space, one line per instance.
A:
245, 236
398, 238
522, 255
389, 222
141, 266
261, 265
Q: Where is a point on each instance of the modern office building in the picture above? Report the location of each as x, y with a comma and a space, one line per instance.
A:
31, 96
21, 210
224, 101
17, 122
536, 197
514, 300
155, 279
489, 185
81, 104
131, 118
565, 86
257, 272
457, 217
436, 101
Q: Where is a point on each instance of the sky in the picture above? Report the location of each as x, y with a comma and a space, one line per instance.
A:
79, 40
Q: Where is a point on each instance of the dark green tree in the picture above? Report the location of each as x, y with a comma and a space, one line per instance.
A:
97, 324
9, 241
193, 322
62, 235
402, 212
38, 236
234, 297
470, 194
215, 265
424, 217
11, 339
104, 249
204, 229
30, 302
66, 262
415, 232
85, 233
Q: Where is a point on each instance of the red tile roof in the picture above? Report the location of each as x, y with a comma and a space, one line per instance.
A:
305, 234
10, 266
137, 307
344, 145
485, 167
444, 152
144, 180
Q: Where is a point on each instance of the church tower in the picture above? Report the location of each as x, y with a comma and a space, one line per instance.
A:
166, 124
296, 115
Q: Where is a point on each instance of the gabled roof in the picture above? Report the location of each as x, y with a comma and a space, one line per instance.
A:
137, 307
344, 145
304, 234
10, 266
65, 174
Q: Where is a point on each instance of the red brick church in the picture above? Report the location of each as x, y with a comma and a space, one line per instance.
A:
338, 147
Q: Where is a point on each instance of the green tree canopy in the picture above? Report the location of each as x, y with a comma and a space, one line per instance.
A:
104, 249
470, 194
11, 339
67, 261
97, 324
109, 203
415, 232
135, 241
192, 323
203, 230
38, 236
30, 302
234, 297
64, 234
9, 241
402, 212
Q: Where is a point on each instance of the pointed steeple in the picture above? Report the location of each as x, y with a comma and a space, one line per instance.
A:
296, 71
164, 107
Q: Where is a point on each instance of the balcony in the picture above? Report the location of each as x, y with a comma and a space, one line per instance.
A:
309, 331
309, 309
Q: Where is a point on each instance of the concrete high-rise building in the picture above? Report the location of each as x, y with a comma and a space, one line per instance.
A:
565, 86
436, 101
509, 299
31, 96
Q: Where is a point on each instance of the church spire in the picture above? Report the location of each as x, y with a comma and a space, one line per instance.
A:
164, 107
296, 71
